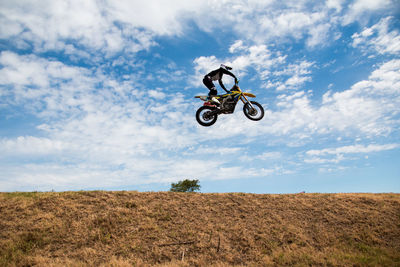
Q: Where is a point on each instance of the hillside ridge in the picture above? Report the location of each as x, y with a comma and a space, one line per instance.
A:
128, 228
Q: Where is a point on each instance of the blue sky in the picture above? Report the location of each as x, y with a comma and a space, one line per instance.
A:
99, 95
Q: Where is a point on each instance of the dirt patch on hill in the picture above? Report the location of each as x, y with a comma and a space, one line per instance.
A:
193, 229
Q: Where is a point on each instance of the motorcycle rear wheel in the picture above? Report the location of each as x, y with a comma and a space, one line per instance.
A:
205, 116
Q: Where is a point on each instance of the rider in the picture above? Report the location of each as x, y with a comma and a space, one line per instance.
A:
217, 75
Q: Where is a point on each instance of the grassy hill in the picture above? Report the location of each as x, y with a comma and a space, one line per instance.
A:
192, 229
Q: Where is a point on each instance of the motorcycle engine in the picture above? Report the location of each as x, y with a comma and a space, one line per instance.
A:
228, 105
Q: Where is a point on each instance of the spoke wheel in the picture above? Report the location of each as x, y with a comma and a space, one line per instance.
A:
254, 114
205, 116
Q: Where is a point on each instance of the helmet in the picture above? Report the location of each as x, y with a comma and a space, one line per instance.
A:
225, 67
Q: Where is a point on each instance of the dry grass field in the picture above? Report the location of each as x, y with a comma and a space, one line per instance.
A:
194, 229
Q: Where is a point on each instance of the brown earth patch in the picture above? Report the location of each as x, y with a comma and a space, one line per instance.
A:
100, 228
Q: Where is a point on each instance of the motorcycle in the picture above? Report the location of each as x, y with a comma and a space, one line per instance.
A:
208, 114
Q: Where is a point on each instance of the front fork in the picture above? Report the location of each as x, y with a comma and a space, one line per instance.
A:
247, 101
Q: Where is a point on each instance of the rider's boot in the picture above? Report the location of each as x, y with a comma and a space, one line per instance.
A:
215, 101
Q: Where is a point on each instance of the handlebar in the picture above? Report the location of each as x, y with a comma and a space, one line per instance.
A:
236, 84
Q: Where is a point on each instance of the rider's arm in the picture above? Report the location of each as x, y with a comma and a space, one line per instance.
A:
222, 85
224, 71
229, 73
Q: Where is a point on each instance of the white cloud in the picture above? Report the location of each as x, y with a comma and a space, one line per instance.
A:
50, 25
244, 58
45, 87
260, 58
325, 155
237, 46
99, 127
99, 132
269, 155
130, 26
378, 38
370, 108
360, 8
317, 160
336, 4
296, 75
156, 94
159, 17
277, 22
217, 150
370, 105
31, 146
320, 34
203, 65
355, 149
271, 66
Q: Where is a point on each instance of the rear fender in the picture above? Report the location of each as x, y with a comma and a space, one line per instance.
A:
209, 104
202, 97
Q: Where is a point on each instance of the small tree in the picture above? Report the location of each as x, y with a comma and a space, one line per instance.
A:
185, 186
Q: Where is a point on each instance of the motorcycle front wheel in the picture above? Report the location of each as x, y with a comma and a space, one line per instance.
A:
205, 116
254, 114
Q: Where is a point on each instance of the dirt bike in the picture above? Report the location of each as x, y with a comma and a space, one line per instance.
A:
207, 115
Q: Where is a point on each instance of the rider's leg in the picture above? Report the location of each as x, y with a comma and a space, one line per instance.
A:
213, 92
209, 84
